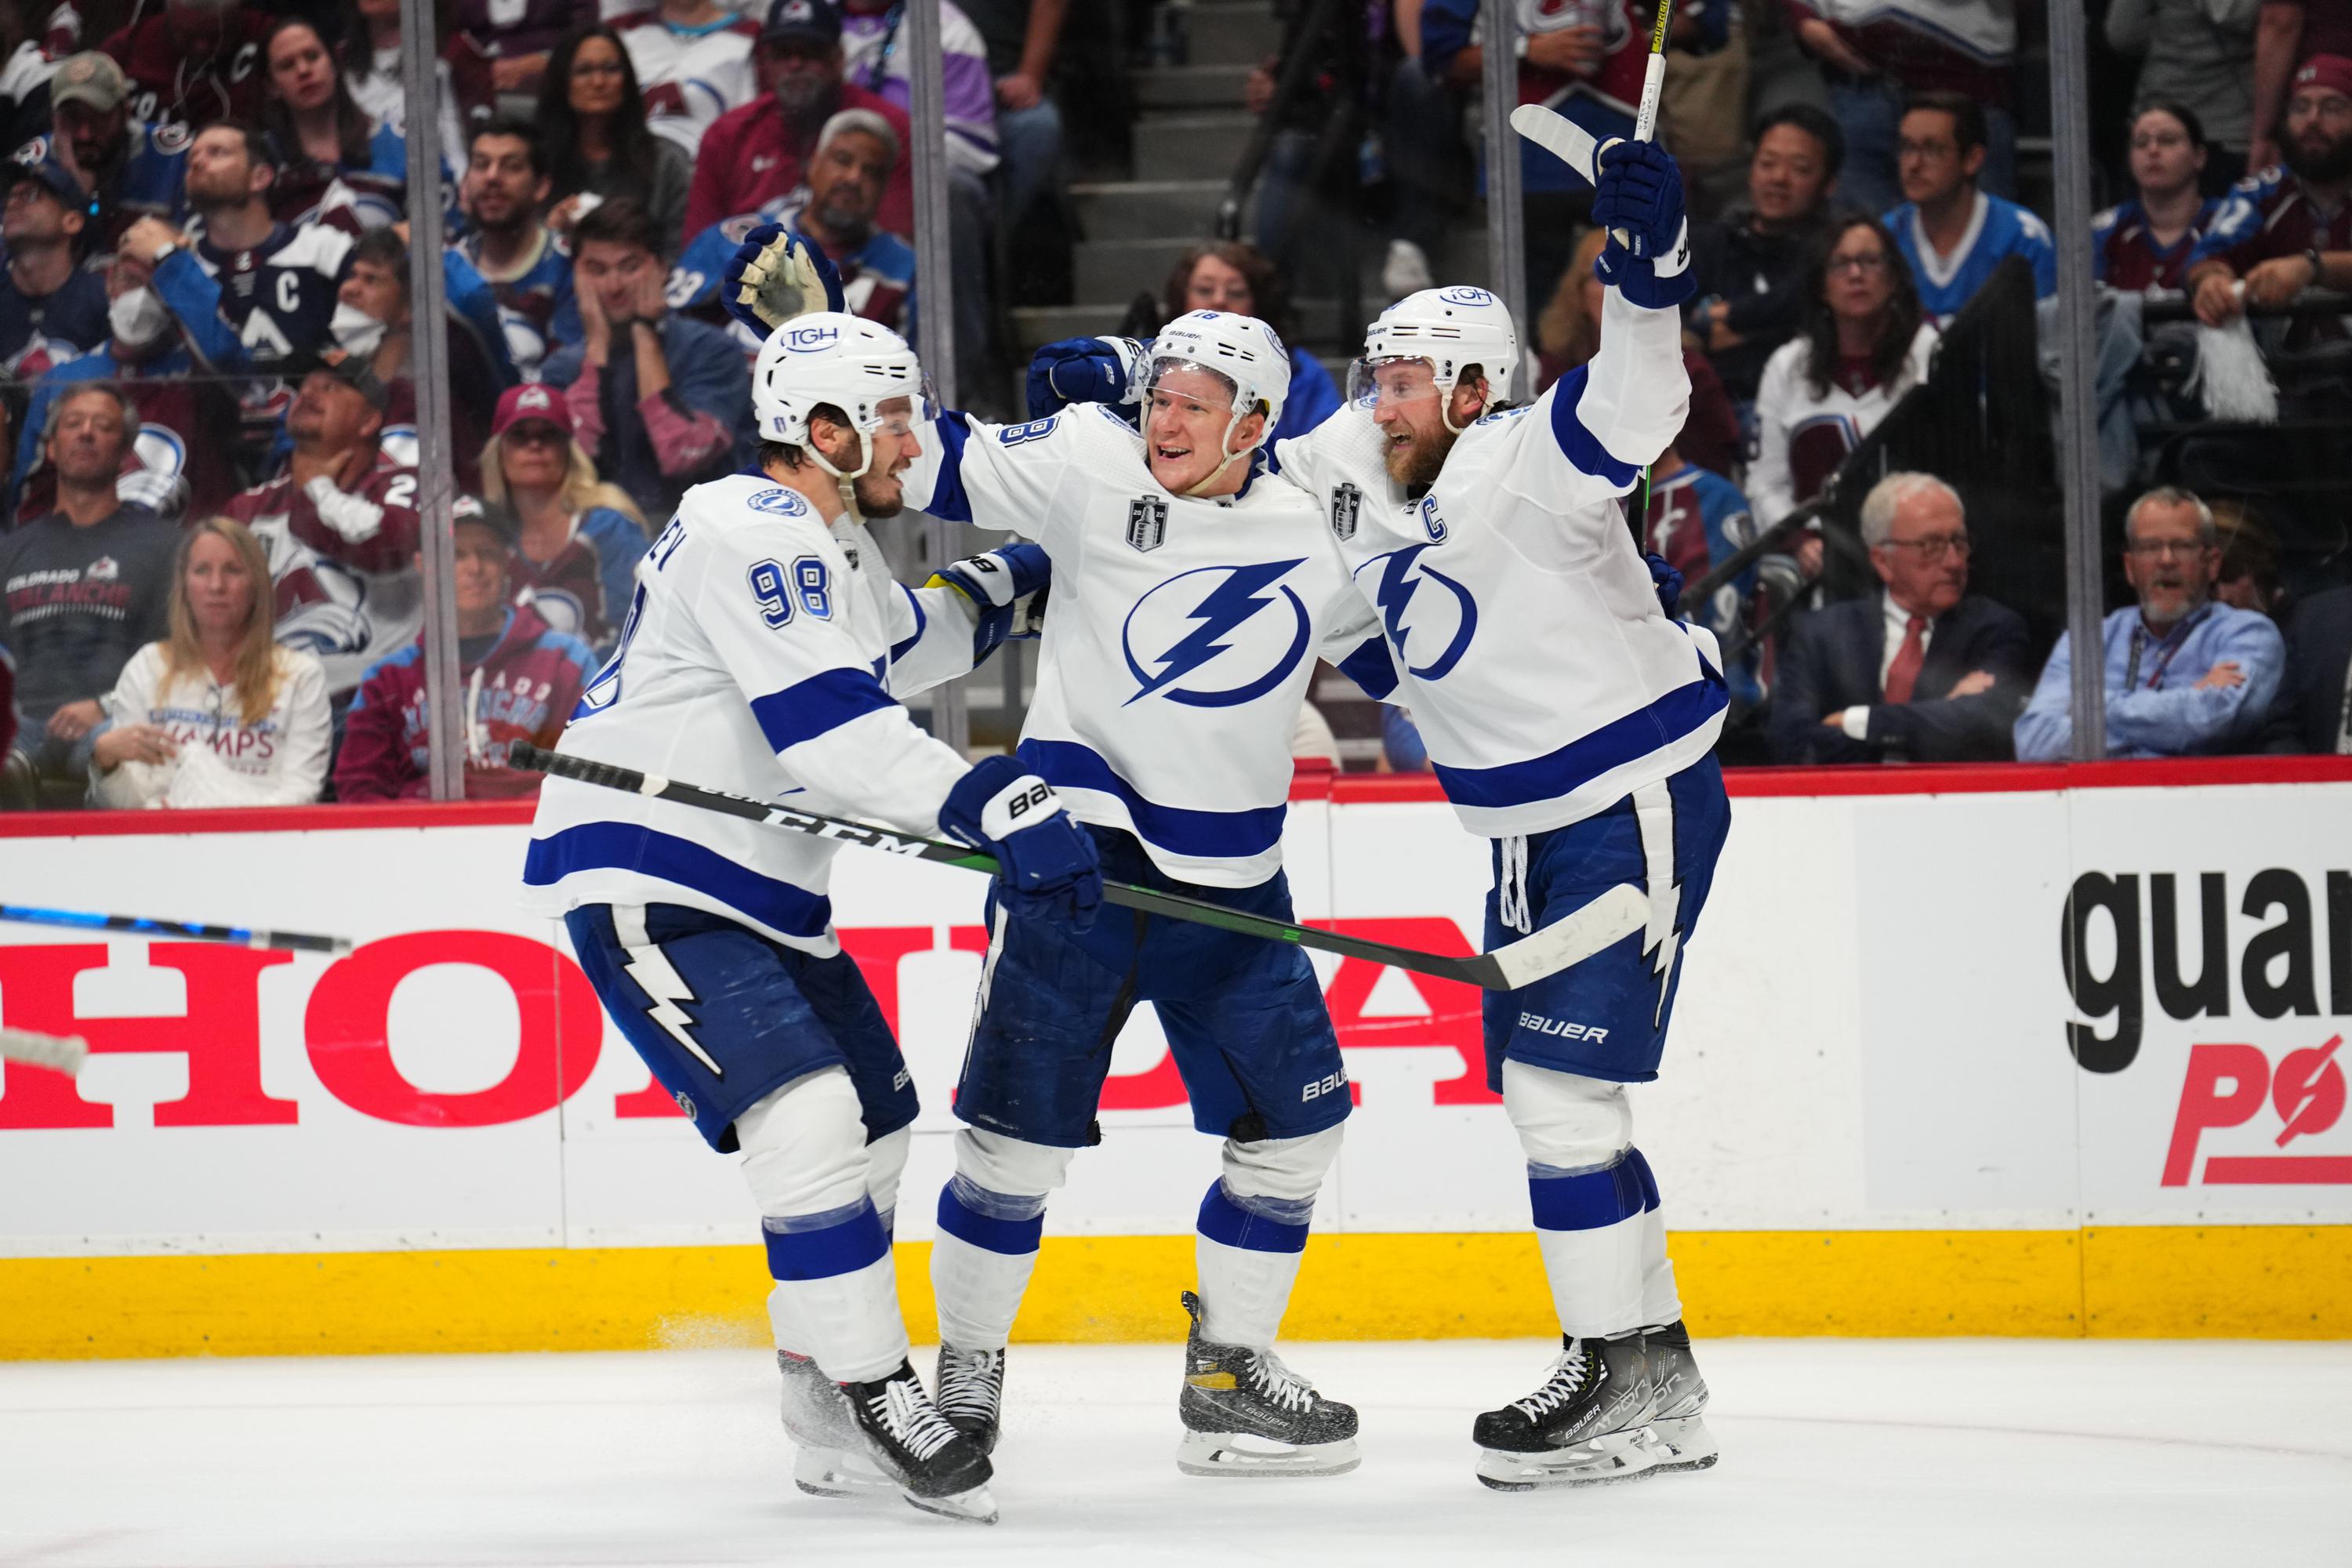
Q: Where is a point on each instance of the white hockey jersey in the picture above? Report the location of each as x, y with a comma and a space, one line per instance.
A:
1181, 637
1519, 623
1801, 439
691, 75
764, 654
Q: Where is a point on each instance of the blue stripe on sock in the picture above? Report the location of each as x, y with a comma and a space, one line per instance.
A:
842, 1248
1012, 1237
1588, 1201
1222, 1219
1641, 1175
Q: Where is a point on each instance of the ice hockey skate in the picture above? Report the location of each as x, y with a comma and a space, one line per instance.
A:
971, 1392
1678, 1433
1582, 1427
1246, 1414
936, 1467
830, 1458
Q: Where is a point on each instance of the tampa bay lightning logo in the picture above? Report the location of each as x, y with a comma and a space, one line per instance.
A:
1398, 592
1217, 637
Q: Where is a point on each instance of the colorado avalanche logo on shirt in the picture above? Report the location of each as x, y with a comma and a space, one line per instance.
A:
1398, 592
1216, 637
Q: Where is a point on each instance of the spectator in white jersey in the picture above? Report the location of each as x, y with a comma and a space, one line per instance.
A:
216, 713
693, 59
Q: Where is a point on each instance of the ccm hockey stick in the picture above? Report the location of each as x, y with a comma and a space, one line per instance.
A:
63, 1054
1607, 919
137, 925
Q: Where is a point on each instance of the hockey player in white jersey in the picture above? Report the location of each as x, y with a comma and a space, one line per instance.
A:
1192, 593
764, 651
1572, 721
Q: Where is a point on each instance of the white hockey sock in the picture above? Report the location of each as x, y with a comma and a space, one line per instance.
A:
1591, 1227
1661, 1302
1248, 1252
837, 1296
981, 1261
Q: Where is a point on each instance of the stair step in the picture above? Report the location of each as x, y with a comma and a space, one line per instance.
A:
1190, 87
1189, 146
1112, 270
1231, 35
1147, 209
1317, 322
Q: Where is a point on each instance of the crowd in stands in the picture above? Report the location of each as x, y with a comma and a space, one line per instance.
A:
211, 586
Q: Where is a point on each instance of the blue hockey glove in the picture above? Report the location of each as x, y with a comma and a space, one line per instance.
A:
1007, 591
776, 274
1666, 581
1639, 199
1083, 370
1046, 864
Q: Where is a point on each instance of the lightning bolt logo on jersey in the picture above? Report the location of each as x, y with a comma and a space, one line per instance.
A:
1182, 636
1395, 585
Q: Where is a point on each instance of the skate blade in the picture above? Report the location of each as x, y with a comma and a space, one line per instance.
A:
973, 1507
1619, 1457
833, 1472
1681, 1443
1246, 1453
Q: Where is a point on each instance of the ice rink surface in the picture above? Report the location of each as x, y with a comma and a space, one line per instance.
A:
1956, 1451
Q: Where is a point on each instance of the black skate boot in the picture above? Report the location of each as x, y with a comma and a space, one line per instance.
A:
830, 1455
971, 1392
1677, 1434
1581, 1429
1245, 1414
935, 1466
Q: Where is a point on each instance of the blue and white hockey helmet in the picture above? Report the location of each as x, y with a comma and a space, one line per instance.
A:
1450, 330
1241, 351
830, 358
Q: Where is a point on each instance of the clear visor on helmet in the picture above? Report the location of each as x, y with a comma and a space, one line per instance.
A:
1184, 382
1390, 381
905, 414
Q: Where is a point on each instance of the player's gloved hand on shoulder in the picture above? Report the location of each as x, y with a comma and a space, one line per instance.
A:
1666, 581
1639, 199
1006, 589
776, 274
1047, 863
1083, 370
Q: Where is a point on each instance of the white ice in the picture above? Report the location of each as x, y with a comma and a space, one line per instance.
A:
1835, 1451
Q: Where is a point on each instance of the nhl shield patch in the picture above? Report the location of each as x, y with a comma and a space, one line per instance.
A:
1146, 522
1345, 502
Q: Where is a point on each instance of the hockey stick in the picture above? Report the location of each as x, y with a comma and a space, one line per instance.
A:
1607, 919
286, 941
59, 1052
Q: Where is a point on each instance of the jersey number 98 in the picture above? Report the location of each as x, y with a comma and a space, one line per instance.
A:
807, 586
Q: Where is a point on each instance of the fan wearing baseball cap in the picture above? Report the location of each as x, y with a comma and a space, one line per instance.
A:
131, 170
2287, 227
756, 153
51, 307
577, 538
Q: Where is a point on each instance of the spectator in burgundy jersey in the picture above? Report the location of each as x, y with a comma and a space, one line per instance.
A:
335, 163
193, 62
519, 677
2286, 228
577, 538
1863, 343
526, 268
663, 401
52, 310
753, 155
83, 588
592, 120
2287, 32
1568, 334
2145, 243
184, 458
518, 39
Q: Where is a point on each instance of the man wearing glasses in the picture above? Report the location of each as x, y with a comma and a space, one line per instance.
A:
2186, 676
1922, 671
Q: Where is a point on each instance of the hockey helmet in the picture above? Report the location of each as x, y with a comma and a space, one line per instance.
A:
831, 358
1449, 330
1242, 352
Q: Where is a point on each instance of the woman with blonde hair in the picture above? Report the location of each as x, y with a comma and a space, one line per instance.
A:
216, 713
579, 537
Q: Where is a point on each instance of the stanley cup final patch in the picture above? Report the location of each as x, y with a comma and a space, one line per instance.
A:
1345, 502
1146, 522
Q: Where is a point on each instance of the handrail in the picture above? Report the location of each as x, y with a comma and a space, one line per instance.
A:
1296, 69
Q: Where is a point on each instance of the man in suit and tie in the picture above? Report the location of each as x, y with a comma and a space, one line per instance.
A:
2313, 709
1920, 671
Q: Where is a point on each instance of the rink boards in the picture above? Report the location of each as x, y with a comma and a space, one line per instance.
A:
2002, 1050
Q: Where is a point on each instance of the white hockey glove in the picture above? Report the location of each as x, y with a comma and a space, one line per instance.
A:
774, 275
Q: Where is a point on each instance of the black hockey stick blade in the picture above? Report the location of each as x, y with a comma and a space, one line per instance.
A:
1616, 914
139, 925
